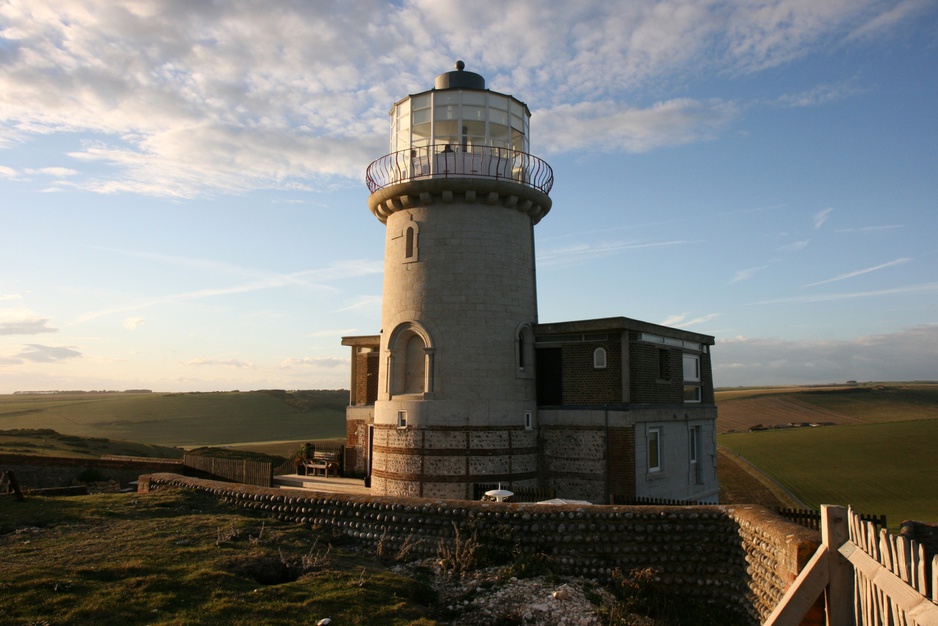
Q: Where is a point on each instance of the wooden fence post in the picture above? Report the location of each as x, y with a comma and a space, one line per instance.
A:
840, 597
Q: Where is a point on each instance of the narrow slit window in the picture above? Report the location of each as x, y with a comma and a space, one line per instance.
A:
409, 242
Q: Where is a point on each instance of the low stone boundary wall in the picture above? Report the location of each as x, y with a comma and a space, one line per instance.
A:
43, 472
742, 557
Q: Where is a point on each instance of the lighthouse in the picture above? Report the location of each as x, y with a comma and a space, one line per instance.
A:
459, 194
464, 392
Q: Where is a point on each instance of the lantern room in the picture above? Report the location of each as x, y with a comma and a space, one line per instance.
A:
460, 115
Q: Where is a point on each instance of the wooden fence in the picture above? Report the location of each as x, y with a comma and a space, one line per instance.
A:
867, 577
237, 470
643, 500
809, 518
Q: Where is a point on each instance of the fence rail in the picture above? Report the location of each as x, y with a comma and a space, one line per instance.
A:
894, 578
236, 470
457, 161
809, 518
867, 577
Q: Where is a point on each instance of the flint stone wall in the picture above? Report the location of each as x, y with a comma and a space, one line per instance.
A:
742, 557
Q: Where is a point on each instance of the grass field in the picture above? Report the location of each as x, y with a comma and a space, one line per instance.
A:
182, 419
183, 558
887, 468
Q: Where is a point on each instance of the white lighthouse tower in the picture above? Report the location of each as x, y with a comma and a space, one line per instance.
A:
459, 194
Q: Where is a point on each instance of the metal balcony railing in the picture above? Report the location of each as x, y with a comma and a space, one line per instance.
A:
456, 161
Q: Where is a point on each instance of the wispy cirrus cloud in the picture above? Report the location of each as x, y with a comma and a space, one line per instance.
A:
335, 271
582, 251
746, 274
876, 293
821, 217
856, 273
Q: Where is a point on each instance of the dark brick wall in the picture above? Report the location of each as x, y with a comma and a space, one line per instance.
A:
645, 369
366, 377
584, 384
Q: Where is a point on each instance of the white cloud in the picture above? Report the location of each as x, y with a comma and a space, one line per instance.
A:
231, 97
133, 323
235, 363
23, 322
37, 353
610, 126
315, 362
904, 355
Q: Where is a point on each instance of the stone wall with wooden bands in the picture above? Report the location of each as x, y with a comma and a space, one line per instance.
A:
742, 557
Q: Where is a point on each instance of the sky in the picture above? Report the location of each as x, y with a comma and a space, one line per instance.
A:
183, 206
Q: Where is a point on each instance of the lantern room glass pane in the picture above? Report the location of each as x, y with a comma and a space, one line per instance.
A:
473, 97
473, 113
445, 97
498, 102
498, 117
421, 116
446, 112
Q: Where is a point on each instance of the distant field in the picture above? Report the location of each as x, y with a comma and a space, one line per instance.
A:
183, 419
887, 468
741, 409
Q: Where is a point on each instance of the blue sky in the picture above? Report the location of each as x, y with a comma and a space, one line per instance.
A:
182, 204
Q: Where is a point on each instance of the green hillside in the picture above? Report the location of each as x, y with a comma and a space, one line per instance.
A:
182, 419
886, 468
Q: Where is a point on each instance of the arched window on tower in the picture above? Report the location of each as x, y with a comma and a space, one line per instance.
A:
411, 233
410, 366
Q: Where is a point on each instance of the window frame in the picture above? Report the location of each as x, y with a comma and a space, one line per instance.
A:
599, 358
653, 436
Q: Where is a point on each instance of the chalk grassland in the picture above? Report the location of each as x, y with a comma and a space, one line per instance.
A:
183, 419
173, 557
879, 457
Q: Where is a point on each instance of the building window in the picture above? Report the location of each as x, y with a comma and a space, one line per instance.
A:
410, 243
695, 466
528, 420
599, 358
664, 364
691, 378
654, 450
694, 443
402, 419
410, 360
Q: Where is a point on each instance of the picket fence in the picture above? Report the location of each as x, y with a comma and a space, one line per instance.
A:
867, 577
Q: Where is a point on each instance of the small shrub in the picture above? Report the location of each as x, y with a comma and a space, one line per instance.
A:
91, 475
460, 557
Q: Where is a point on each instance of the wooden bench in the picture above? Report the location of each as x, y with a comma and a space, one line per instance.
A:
322, 463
